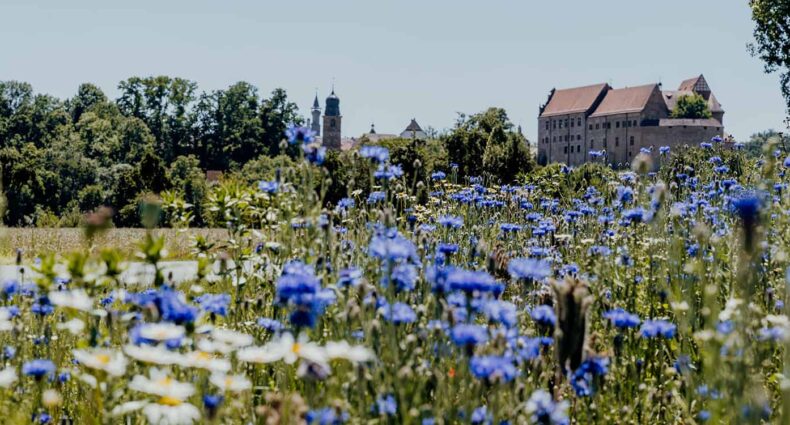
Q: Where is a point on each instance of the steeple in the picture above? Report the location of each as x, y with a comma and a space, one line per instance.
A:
316, 112
332, 122
372, 128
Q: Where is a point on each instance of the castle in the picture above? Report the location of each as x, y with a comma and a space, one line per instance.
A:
332, 138
620, 122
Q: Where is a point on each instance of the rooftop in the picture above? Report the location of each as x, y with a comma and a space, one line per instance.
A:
625, 100
574, 100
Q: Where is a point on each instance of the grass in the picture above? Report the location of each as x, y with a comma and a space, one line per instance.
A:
36, 242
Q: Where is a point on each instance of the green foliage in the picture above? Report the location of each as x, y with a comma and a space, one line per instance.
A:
758, 142
691, 106
772, 39
488, 136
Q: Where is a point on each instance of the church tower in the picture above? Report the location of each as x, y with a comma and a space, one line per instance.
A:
315, 124
332, 121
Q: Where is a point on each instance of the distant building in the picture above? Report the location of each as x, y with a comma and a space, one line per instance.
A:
413, 131
620, 122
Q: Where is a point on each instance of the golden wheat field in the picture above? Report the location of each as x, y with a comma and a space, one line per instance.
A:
41, 241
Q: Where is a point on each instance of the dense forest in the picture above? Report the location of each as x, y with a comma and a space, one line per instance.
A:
62, 158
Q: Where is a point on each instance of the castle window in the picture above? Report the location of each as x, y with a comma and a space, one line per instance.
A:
590, 126
632, 141
571, 123
578, 137
596, 126
617, 141
547, 125
332, 123
566, 123
617, 124
592, 144
634, 124
565, 150
578, 148
554, 123
579, 122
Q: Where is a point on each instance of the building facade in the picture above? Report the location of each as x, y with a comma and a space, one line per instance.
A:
620, 122
333, 121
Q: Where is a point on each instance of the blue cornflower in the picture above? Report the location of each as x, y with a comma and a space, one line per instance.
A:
472, 281
395, 248
480, 416
214, 303
377, 153
326, 416
376, 197
468, 335
493, 368
386, 405
351, 276
314, 153
771, 334
529, 268
438, 175
544, 410
268, 187
663, 150
296, 134
657, 328
747, 206
786, 162
38, 368
603, 251
270, 325
404, 276
451, 221
503, 312
399, 313
388, 171
544, 315
622, 319
346, 203
447, 248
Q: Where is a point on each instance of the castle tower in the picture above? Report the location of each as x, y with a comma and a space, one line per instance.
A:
332, 122
315, 124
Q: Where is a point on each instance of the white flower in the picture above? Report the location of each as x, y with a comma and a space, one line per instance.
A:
77, 299
110, 361
232, 338
74, 326
204, 360
161, 384
154, 355
161, 331
352, 353
286, 349
171, 412
7, 377
128, 407
5, 320
232, 383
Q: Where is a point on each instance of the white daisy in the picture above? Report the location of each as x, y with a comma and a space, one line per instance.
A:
74, 326
161, 331
7, 377
286, 349
232, 383
160, 383
77, 299
232, 338
153, 355
352, 353
110, 361
204, 360
170, 411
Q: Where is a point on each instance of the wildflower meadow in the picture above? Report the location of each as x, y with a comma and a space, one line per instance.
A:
650, 295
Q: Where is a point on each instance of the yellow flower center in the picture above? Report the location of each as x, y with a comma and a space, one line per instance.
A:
296, 347
166, 381
228, 381
169, 401
202, 355
103, 358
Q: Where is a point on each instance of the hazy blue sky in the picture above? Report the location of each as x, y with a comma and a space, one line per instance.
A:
394, 60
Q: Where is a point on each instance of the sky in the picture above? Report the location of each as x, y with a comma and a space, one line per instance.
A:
393, 60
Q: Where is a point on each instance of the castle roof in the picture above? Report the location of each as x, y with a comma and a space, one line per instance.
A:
413, 126
625, 100
573, 100
316, 105
696, 84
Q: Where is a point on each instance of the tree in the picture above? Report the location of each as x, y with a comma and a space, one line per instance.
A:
488, 136
691, 106
772, 39
276, 114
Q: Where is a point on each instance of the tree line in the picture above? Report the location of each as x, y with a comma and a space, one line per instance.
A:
61, 158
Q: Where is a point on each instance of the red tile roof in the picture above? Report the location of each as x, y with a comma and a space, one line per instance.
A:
621, 101
575, 100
